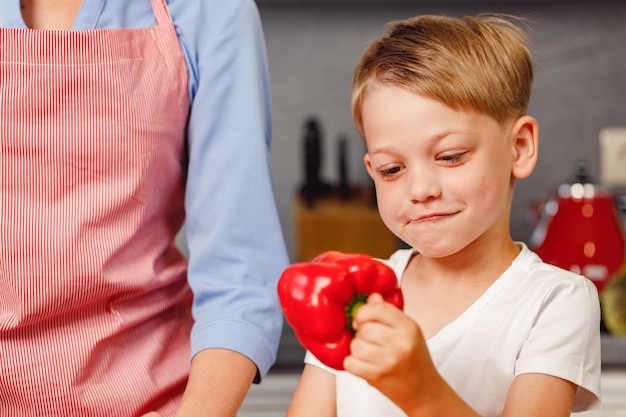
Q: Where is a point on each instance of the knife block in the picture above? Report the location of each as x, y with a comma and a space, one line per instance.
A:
347, 225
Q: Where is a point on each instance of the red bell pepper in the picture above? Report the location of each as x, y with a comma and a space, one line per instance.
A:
319, 300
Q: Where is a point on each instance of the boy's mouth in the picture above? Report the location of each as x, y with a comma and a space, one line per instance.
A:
432, 216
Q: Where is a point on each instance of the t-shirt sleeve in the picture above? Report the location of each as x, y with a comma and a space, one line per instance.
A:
565, 340
310, 359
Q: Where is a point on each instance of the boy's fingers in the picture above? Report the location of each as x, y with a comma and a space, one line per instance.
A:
377, 310
375, 298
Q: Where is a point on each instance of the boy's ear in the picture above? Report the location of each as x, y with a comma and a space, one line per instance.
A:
525, 136
368, 164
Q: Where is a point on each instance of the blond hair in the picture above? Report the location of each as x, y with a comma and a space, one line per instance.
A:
477, 63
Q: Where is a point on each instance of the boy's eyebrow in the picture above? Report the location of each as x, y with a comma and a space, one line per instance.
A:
435, 138
381, 149
451, 131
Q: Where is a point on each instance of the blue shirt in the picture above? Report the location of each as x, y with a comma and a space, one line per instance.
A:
235, 241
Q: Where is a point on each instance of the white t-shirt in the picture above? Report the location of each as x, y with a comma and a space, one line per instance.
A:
536, 318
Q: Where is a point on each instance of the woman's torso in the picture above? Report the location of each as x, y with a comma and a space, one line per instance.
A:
94, 300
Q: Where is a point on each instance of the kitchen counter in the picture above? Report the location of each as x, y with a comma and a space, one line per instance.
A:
271, 398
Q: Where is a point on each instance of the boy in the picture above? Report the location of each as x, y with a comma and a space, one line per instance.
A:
487, 329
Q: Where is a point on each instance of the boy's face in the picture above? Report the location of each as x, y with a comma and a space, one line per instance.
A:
443, 177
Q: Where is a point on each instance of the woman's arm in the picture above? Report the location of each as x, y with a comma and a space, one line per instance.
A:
218, 383
235, 240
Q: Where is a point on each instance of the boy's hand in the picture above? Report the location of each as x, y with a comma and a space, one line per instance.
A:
390, 353
319, 299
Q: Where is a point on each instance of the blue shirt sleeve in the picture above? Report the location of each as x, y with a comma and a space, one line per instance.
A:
236, 245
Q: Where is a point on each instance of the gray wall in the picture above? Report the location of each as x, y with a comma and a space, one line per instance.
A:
580, 84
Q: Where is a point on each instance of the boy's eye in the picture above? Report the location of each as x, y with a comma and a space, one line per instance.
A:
386, 172
453, 157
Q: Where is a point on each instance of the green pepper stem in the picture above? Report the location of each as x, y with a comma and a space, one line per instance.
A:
351, 308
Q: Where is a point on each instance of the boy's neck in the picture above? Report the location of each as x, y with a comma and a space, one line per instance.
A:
438, 291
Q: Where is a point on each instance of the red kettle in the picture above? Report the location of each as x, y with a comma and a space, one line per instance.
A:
581, 230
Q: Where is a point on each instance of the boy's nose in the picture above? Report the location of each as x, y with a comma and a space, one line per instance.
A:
423, 186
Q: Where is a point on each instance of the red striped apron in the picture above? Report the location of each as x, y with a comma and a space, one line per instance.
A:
94, 304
